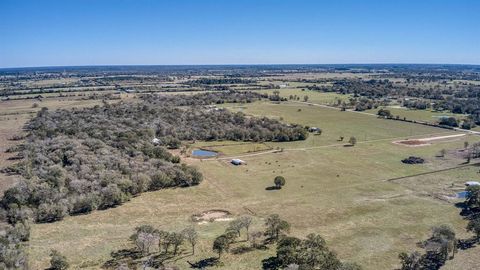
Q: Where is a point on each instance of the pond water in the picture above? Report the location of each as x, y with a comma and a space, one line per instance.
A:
462, 194
203, 153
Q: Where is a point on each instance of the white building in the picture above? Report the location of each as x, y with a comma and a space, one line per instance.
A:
472, 183
237, 161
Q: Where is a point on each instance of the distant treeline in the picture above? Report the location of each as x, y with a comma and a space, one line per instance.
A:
209, 81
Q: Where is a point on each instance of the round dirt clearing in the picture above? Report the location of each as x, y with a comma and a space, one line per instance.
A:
212, 215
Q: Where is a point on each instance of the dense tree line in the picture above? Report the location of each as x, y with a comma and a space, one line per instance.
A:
463, 99
76, 161
366, 88
12, 252
227, 80
205, 98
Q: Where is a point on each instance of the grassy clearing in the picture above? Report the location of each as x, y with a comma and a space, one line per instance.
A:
230, 148
337, 191
334, 123
418, 115
313, 96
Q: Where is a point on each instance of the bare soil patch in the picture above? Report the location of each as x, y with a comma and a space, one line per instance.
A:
412, 142
425, 141
212, 215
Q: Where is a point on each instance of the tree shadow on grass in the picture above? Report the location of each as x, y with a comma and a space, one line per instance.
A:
241, 250
122, 256
158, 260
270, 263
209, 262
467, 243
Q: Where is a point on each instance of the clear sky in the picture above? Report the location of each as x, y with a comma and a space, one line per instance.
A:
117, 32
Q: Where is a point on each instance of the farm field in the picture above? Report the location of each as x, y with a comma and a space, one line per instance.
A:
349, 195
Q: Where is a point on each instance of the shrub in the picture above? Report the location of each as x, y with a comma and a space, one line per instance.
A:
58, 261
413, 160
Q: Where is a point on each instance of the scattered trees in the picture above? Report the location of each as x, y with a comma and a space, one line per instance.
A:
221, 244
246, 221
443, 238
191, 236
437, 248
384, 113
279, 182
276, 227
474, 227
352, 141
473, 198
176, 239
58, 261
448, 121
410, 261
309, 253
145, 238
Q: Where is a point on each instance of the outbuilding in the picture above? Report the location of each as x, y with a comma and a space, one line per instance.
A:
237, 161
472, 183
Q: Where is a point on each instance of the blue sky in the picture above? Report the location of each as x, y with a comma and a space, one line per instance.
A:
116, 32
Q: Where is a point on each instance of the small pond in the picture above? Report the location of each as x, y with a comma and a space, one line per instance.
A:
203, 153
462, 194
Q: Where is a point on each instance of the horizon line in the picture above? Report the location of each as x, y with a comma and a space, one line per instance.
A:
253, 64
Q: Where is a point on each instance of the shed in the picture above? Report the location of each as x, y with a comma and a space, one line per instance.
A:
472, 183
314, 129
237, 161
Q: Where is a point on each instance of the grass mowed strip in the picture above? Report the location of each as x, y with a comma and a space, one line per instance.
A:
337, 191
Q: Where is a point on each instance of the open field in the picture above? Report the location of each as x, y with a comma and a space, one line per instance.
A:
232, 148
313, 96
418, 115
343, 193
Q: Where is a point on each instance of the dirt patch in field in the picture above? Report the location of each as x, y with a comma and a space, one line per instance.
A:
425, 141
212, 215
412, 143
